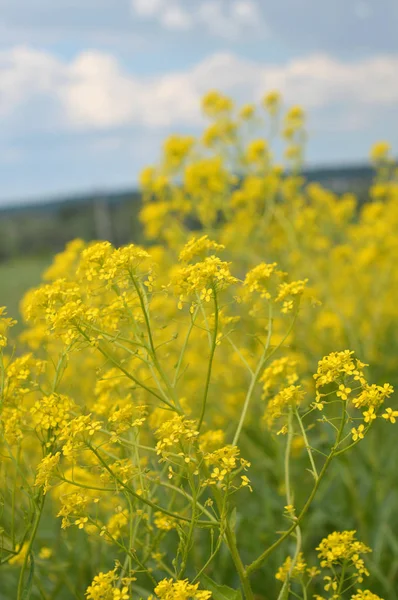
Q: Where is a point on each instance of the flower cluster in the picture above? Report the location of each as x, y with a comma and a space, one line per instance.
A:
290, 569
222, 463
345, 371
342, 548
5, 324
340, 553
104, 587
203, 279
278, 406
168, 589
45, 470
173, 433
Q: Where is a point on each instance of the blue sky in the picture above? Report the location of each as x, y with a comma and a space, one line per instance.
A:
90, 88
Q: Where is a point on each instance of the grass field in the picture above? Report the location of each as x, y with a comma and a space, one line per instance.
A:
16, 277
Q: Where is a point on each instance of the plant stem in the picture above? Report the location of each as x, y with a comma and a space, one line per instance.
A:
145, 500
304, 434
210, 366
29, 548
180, 358
254, 379
162, 374
289, 500
256, 564
129, 375
242, 572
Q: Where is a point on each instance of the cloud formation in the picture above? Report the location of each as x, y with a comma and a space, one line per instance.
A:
357, 28
97, 84
93, 91
223, 18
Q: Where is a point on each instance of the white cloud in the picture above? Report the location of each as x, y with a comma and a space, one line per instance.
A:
223, 18
96, 93
231, 19
147, 8
245, 10
93, 91
175, 17
25, 73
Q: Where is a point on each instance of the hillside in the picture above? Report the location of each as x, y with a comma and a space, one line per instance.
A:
44, 227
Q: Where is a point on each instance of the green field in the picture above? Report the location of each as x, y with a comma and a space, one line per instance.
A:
16, 277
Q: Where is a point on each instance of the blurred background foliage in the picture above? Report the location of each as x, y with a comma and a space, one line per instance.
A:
31, 233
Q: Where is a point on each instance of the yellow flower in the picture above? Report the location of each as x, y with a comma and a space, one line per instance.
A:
343, 392
18, 559
121, 594
257, 151
272, 102
214, 104
298, 569
102, 587
81, 522
359, 433
380, 151
313, 572
390, 415
198, 247
45, 553
45, 470
174, 433
342, 547
365, 595
164, 522
247, 111
220, 132
295, 117
278, 406
330, 583
176, 149
369, 415
246, 482
167, 589
317, 403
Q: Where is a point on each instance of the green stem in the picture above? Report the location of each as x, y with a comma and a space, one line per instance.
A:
2, 380
309, 452
256, 564
209, 560
342, 577
13, 497
145, 500
191, 529
162, 374
188, 497
263, 360
289, 500
242, 572
129, 375
254, 380
233, 548
210, 366
184, 346
29, 548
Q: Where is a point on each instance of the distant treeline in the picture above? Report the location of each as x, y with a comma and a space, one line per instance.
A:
45, 228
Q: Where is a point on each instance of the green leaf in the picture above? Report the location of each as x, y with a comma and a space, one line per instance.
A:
220, 592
